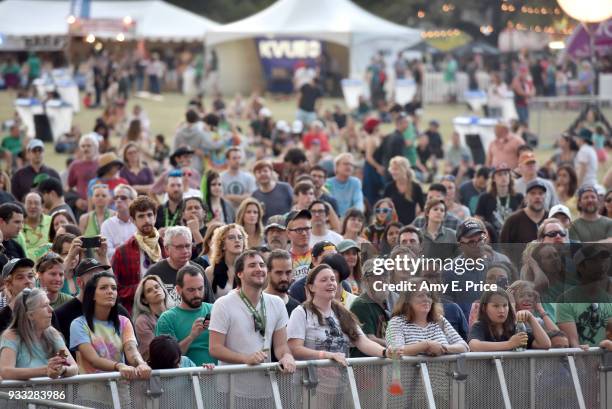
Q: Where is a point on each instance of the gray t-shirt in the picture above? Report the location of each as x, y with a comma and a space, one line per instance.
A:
277, 201
330, 236
239, 184
590, 231
520, 186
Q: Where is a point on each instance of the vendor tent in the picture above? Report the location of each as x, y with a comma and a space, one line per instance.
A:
340, 22
154, 19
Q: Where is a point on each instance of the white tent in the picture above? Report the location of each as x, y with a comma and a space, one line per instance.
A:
155, 20
335, 21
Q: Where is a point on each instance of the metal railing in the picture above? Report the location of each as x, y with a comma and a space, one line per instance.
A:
562, 378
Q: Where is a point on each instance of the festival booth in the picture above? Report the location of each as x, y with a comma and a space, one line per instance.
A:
294, 33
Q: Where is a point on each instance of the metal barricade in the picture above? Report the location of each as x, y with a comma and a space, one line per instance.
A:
562, 378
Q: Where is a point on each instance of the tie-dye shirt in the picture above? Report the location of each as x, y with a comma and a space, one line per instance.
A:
300, 264
104, 339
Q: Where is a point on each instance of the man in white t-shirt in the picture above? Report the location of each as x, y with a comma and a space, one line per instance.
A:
586, 159
320, 231
245, 324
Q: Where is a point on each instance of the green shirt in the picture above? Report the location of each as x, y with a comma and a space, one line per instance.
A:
12, 144
410, 152
177, 322
591, 231
61, 299
36, 240
372, 318
590, 323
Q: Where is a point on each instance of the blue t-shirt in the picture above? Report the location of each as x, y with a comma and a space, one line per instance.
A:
348, 194
37, 358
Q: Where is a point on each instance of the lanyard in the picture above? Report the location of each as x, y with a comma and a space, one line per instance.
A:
259, 317
173, 220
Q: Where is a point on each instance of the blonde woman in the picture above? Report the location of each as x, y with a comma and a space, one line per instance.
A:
250, 216
150, 301
5, 188
227, 244
406, 194
90, 223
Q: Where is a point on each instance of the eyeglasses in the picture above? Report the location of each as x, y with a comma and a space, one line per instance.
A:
317, 211
26, 293
235, 238
182, 246
472, 243
555, 233
301, 230
334, 331
383, 210
121, 197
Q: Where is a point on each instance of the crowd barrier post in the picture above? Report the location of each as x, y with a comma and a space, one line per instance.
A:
577, 388
502, 383
605, 379
458, 379
431, 403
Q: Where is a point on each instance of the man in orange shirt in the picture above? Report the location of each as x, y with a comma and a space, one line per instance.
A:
504, 149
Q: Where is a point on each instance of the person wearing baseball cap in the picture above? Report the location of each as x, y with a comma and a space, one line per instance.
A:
65, 314
17, 275
561, 213
275, 233
590, 226
23, 178
522, 225
299, 228
586, 158
528, 168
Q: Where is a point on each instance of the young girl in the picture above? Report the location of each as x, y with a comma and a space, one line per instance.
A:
495, 329
500, 273
527, 298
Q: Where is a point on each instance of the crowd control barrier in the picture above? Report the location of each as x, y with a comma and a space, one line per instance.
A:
556, 379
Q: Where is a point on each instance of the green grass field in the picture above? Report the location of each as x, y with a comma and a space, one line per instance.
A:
166, 115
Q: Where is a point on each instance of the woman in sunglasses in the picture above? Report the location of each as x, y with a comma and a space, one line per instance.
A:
418, 325
103, 339
31, 347
384, 213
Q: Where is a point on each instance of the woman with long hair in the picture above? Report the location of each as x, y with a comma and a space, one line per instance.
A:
150, 301
59, 218
566, 184
103, 339
384, 213
353, 226
135, 171
61, 245
500, 200
351, 253
204, 258
390, 237
5, 188
418, 325
31, 347
406, 194
322, 328
250, 216
495, 329
228, 243
90, 222
212, 193
565, 155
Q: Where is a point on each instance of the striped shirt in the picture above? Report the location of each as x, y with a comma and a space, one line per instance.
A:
400, 332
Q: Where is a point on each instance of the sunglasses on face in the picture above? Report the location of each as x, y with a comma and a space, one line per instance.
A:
121, 197
334, 331
383, 210
555, 233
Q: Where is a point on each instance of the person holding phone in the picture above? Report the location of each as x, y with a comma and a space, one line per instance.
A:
188, 322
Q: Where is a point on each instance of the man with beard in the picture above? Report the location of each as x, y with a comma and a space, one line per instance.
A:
279, 278
277, 197
590, 226
178, 244
169, 213
134, 257
275, 233
188, 322
22, 180
245, 324
522, 225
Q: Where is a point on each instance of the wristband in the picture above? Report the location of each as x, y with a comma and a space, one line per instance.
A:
115, 367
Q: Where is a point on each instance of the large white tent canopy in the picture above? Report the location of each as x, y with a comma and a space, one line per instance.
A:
337, 21
155, 20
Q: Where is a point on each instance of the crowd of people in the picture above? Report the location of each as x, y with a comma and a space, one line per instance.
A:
260, 245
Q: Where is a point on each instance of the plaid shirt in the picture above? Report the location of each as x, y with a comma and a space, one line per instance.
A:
126, 266
450, 222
